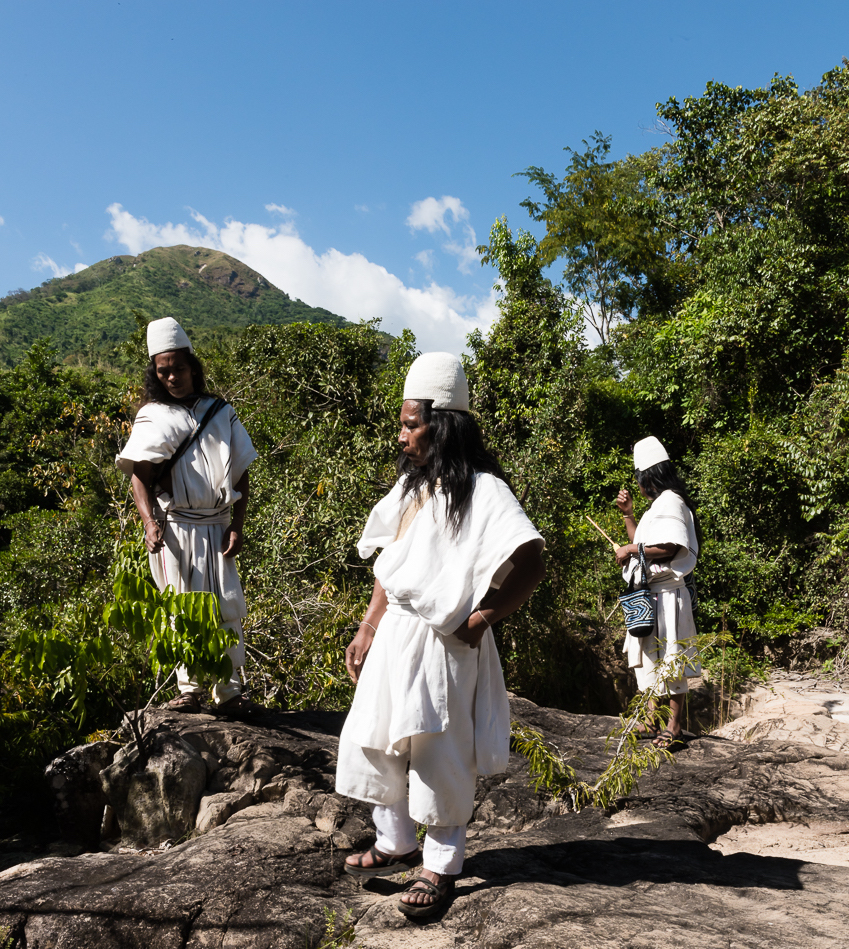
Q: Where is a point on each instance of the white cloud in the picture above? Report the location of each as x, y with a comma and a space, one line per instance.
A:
138, 234
43, 262
280, 209
465, 250
425, 258
2, 221
429, 214
76, 247
362, 208
348, 284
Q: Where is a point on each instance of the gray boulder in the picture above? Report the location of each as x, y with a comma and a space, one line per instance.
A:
157, 799
78, 798
217, 809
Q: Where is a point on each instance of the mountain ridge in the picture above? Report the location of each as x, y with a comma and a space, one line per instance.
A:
89, 315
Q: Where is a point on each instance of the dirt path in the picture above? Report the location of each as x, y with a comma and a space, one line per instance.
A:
794, 707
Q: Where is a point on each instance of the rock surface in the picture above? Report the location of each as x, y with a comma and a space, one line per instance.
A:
158, 800
643, 876
79, 799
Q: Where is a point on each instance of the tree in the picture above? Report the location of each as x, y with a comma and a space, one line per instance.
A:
614, 260
753, 193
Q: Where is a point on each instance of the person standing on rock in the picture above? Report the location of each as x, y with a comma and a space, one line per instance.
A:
187, 457
669, 532
458, 555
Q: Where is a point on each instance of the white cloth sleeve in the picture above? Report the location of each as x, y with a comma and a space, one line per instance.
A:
155, 437
666, 522
242, 451
383, 522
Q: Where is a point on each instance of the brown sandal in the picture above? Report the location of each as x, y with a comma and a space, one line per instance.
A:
441, 892
239, 707
383, 864
187, 702
667, 740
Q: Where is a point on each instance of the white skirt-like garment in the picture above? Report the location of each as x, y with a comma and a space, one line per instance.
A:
419, 701
663, 662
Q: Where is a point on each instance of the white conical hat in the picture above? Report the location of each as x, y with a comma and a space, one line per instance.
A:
438, 376
165, 335
649, 452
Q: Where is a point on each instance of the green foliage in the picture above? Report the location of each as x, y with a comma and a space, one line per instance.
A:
89, 315
549, 770
614, 259
321, 405
141, 630
529, 379
174, 628
345, 936
53, 421
753, 196
734, 346
546, 765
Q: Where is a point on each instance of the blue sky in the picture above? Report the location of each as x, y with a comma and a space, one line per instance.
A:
353, 152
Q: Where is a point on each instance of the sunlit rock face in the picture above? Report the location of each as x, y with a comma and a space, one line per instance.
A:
262, 863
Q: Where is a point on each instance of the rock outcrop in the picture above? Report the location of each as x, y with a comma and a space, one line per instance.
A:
265, 866
78, 796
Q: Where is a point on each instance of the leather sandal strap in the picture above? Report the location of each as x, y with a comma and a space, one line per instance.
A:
185, 700
432, 889
377, 858
380, 860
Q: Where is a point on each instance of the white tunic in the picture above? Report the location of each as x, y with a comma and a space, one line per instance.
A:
198, 510
667, 521
438, 580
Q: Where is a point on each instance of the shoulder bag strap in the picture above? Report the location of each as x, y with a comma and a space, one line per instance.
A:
186, 443
641, 550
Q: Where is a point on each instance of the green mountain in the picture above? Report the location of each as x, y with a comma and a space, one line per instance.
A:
90, 315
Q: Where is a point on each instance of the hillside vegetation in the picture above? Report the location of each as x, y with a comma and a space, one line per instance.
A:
90, 314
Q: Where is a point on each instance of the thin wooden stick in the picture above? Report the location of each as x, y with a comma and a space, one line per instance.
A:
605, 536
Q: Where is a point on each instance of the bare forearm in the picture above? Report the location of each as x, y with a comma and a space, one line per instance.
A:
142, 486
630, 526
376, 608
526, 575
240, 507
357, 651
142, 493
659, 553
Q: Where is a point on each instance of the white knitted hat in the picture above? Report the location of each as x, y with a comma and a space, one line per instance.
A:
649, 452
165, 335
438, 376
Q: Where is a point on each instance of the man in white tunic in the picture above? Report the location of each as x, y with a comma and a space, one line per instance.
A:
669, 533
430, 708
191, 536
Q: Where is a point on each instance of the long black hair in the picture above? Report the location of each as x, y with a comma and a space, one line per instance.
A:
154, 391
663, 477
456, 453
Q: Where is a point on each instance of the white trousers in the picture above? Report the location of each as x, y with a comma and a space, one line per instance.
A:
225, 690
656, 658
191, 561
444, 847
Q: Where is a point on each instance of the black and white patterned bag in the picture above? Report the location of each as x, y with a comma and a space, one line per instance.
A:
640, 605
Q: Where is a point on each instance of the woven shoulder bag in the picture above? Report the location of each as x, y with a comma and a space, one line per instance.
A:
640, 605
